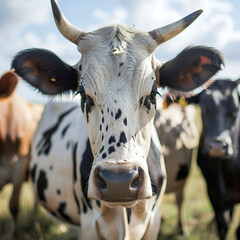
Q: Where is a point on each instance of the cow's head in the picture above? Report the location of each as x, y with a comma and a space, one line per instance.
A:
117, 78
220, 116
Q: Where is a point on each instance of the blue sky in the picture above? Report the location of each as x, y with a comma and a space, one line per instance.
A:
29, 23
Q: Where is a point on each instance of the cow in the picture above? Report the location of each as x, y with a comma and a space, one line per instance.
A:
117, 194
18, 121
176, 127
218, 154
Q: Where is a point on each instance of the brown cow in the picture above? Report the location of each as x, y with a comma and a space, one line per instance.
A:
18, 120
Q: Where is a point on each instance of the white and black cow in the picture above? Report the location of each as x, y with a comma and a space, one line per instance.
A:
18, 121
218, 153
116, 187
179, 135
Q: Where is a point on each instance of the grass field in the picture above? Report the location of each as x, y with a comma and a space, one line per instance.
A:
198, 216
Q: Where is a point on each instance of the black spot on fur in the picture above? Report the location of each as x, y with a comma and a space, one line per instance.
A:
61, 208
102, 137
89, 103
104, 155
45, 144
74, 157
100, 128
122, 138
68, 144
119, 74
183, 172
121, 64
98, 203
84, 207
106, 128
80, 67
102, 119
42, 184
77, 202
112, 114
85, 169
118, 114
129, 212
58, 192
125, 121
111, 140
111, 150
101, 150
33, 172
115, 101
65, 130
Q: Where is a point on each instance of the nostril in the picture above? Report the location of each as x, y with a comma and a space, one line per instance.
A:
136, 183
101, 184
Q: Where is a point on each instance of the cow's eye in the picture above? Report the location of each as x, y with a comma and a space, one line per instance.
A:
150, 99
86, 101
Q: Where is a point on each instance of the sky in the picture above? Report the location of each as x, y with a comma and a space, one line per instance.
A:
30, 24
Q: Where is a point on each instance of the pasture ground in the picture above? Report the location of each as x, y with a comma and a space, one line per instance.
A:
197, 208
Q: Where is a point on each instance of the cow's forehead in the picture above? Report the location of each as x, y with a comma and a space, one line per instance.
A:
116, 59
222, 93
106, 38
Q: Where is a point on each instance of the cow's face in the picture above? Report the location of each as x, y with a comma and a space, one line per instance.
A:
117, 78
219, 105
118, 97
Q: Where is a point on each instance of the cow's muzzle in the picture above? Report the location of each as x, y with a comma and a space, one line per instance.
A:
217, 148
120, 184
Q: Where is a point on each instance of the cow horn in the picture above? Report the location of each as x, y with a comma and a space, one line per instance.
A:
167, 32
69, 31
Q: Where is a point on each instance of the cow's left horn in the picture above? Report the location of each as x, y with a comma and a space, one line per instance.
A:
167, 32
69, 31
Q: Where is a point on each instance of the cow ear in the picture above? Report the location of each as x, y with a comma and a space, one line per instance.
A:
45, 71
8, 84
191, 69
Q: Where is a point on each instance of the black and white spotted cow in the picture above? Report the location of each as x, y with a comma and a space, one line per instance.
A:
114, 190
176, 127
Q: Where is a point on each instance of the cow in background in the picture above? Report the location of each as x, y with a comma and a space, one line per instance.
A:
117, 195
218, 154
179, 135
18, 120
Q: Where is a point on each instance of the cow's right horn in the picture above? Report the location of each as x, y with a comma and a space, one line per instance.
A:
68, 30
167, 32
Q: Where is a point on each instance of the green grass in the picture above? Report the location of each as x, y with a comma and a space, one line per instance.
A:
197, 208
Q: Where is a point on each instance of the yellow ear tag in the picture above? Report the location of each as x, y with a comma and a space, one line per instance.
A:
164, 104
182, 102
53, 79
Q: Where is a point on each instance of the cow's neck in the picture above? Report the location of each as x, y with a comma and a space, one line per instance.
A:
125, 222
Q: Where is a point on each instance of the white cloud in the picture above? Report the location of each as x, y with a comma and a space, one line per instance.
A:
15, 15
